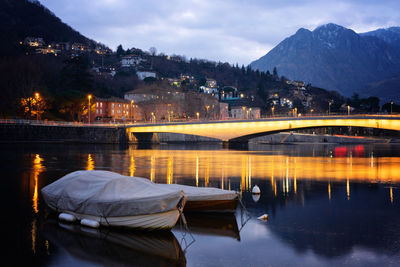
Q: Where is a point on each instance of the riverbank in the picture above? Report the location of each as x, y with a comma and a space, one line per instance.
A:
32, 133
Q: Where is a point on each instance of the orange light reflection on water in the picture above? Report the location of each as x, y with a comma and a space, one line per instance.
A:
90, 163
251, 165
37, 168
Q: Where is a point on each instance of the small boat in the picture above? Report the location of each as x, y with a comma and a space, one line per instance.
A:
206, 199
110, 199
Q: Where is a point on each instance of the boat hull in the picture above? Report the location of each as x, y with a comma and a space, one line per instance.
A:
226, 205
156, 221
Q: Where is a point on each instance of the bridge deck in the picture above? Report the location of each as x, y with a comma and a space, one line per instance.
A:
245, 129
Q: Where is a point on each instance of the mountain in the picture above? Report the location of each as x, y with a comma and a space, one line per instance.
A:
22, 18
390, 35
336, 58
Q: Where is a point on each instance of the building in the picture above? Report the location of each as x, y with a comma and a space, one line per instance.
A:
113, 110
145, 74
131, 61
174, 82
211, 83
102, 50
229, 93
298, 83
223, 111
245, 113
107, 72
34, 41
48, 50
79, 48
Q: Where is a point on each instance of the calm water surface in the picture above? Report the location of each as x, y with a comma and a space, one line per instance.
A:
328, 205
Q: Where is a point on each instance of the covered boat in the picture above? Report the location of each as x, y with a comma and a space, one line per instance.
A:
112, 199
208, 199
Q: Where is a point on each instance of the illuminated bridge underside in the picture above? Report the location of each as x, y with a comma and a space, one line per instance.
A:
240, 131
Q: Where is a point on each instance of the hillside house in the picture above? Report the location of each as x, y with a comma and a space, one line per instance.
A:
34, 41
131, 61
211, 83
145, 74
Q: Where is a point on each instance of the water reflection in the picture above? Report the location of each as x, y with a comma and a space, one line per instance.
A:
110, 247
90, 163
224, 224
37, 168
179, 165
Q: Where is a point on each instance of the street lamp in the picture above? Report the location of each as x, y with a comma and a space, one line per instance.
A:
330, 104
348, 110
198, 115
89, 97
272, 110
312, 110
37, 106
391, 107
132, 118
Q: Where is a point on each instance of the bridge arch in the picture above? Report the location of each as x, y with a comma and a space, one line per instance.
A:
241, 131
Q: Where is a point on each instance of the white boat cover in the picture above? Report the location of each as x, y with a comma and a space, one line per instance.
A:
193, 193
109, 194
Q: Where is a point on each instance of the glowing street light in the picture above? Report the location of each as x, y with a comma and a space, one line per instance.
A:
330, 104
348, 110
272, 110
198, 115
391, 107
89, 97
37, 106
132, 117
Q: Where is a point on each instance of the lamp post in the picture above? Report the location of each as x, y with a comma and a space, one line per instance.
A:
37, 106
330, 104
391, 107
198, 115
132, 118
272, 111
207, 108
348, 110
89, 97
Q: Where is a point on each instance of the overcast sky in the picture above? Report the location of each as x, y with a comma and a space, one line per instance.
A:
235, 31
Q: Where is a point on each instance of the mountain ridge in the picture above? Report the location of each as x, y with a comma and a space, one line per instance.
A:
336, 58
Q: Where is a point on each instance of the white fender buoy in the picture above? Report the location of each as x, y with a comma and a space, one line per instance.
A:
263, 217
90, 223
256, 190
256, 197
66, 217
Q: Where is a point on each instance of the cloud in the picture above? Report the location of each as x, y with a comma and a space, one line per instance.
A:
233, 31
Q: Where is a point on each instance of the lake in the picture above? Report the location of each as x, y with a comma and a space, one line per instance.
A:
330, 205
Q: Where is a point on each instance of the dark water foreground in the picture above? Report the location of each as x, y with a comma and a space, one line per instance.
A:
328, 205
